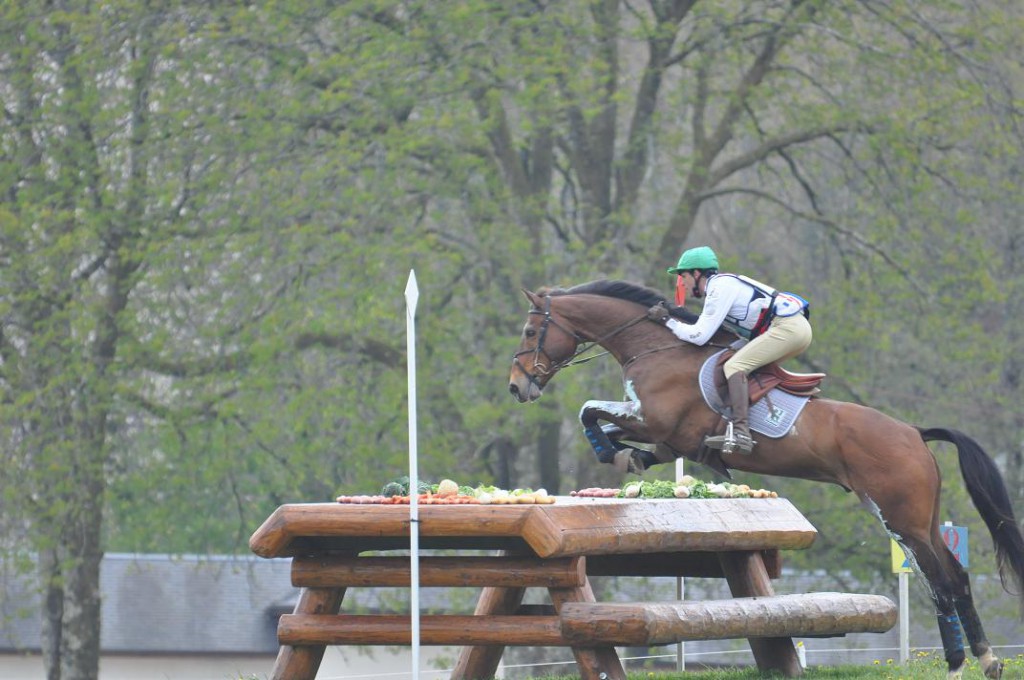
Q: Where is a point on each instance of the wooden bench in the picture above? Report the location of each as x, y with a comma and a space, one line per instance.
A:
556, 547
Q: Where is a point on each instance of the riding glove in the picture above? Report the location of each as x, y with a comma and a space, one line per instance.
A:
658, 313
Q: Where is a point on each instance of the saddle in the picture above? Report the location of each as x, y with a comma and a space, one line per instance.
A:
769, 377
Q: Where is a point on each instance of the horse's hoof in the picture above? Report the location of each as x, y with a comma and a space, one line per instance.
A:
635, 465
958, 673
992, 665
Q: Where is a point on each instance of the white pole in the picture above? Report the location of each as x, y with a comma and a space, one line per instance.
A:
680, 588
412, 295
904, 618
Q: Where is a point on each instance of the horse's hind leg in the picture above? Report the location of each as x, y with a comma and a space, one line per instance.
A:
940, 587
964, 601
950, 591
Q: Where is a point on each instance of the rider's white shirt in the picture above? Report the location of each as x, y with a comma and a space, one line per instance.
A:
725, 296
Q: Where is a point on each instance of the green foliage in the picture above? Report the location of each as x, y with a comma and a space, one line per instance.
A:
211, 213
922, 666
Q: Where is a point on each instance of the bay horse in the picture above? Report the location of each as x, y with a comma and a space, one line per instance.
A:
884, 461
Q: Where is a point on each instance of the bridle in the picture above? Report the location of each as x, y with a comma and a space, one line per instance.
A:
582, 345
549, 367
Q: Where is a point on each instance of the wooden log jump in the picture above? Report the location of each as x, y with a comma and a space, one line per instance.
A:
443, 572
661, 623
587, 624
435, 629
555, 547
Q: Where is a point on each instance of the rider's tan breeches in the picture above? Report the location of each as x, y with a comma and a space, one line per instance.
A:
785, 338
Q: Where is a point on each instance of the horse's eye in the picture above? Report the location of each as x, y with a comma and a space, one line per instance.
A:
529, 332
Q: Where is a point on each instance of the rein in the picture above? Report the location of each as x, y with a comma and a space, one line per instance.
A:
636, 357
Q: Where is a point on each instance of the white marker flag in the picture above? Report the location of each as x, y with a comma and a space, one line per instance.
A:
412, 296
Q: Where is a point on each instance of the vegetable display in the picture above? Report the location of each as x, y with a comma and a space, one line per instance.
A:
686, 487
448, 492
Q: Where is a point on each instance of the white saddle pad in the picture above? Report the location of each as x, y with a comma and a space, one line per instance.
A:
772, 415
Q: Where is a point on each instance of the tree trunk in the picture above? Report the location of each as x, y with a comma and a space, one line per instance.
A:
80, 638
80, 657
548, 440
48, 568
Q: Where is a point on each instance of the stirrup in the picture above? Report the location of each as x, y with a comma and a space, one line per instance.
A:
730, 442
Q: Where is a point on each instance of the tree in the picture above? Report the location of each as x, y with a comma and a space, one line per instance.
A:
122, 164
610, 128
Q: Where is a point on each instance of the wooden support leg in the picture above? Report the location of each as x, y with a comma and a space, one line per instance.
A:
594, 663
302, 663
748, 577
477, 663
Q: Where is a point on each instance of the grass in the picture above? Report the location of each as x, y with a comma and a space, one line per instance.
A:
926, 666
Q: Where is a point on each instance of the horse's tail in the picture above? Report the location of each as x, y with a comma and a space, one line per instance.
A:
988, 491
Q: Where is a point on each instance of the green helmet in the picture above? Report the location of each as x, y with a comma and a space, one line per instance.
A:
696, 258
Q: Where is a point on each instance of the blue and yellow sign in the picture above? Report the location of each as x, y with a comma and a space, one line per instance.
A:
900, 563
955, 539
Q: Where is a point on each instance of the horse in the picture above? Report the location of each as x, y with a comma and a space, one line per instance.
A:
856, 447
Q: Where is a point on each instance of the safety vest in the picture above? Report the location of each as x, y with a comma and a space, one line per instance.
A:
765, 304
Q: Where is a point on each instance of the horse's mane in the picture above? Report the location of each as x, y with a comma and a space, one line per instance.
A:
623, 290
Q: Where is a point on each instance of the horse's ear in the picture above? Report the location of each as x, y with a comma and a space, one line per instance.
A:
532, 297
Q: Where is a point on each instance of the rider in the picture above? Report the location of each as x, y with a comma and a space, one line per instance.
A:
775, 323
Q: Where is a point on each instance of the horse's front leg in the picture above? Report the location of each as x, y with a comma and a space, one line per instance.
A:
624, 421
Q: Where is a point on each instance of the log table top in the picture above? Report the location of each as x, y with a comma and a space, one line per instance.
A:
569, 527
